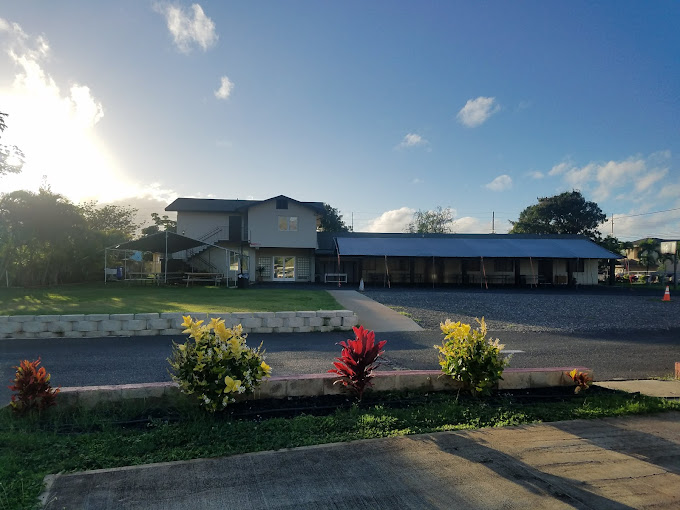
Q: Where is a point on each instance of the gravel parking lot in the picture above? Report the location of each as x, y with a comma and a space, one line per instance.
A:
539, 310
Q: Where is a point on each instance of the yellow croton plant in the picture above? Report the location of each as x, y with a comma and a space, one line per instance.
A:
215, 364
468, 357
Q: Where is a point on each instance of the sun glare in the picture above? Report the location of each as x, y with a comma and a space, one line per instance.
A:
55, 127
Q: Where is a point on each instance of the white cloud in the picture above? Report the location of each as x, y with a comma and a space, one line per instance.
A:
671, 191
477, 111
226, 86
536, 175
188, 28
471, 225
603, 179
560, 168
395, 220
416, 180
412, 140
578, 178
636, 224
56, 127
500, 183
644, 182
153, 201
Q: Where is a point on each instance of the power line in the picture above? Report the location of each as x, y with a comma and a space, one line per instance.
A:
643, 214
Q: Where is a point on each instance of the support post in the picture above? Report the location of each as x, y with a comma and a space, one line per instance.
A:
165, 265
612, 269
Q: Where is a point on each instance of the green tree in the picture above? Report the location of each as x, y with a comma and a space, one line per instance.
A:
331, 221
41, 238
649, 253
11, 157
566, 213
112, 219
615, 245
159, 221
437, 221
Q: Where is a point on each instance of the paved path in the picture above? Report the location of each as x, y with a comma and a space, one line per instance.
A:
619, 463
651, 387
372, 315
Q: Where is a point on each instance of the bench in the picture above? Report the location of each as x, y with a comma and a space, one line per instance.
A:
335, 278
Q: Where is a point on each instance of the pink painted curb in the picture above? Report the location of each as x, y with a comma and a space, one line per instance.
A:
284, 386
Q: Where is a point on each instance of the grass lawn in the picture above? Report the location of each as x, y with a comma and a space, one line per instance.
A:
117, 298
30, 449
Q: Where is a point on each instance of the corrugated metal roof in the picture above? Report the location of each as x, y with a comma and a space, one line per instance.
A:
464, 247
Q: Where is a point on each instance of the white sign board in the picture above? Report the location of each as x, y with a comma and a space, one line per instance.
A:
669, 247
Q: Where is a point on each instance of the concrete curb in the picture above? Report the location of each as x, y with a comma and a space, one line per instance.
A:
151, 324
311, 385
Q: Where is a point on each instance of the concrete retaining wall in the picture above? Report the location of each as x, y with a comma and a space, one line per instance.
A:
143, 324
310, 385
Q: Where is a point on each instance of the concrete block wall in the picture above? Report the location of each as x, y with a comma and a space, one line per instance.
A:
146, 324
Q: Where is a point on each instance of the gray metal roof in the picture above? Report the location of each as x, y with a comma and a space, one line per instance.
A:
466, 247
209, 205
225, 206
159, 242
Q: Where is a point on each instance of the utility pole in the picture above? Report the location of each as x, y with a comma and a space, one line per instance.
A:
612, 224
493, 222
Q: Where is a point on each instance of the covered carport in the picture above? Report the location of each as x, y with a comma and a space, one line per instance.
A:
165, 243
484, 259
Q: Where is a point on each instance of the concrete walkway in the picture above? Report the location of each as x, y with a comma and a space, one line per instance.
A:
618, 463
372, 315
650, 387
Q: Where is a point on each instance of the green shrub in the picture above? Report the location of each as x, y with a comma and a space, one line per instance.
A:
468, 357
217, 365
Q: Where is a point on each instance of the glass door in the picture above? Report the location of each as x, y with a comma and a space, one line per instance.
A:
284, 268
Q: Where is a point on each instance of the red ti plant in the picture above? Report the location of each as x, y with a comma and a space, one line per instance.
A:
358, 360
33, 387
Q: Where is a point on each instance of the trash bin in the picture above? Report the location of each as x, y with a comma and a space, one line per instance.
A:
119, 272
243, 279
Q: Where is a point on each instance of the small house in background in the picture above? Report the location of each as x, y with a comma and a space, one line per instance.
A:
663, 258
277, 240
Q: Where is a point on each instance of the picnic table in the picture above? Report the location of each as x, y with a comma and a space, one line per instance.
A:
144, 277
190, 278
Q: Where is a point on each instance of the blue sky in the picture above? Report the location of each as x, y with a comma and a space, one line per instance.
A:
378, 108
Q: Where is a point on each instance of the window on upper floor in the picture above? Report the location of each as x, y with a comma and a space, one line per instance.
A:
281, 203
288, 223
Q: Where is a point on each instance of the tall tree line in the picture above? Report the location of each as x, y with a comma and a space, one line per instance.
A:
47, 240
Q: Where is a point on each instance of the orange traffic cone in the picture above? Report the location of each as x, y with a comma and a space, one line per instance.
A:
666, 295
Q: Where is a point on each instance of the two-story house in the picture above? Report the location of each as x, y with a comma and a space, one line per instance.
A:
273, 239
